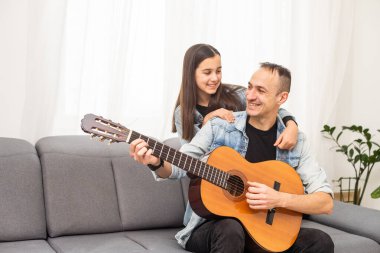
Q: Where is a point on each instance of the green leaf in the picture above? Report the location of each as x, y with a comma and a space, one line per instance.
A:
332, 130
326, 128
357, 157
376, 193
351, 152
367, 136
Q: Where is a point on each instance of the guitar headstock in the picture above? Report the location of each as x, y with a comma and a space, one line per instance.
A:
104, 129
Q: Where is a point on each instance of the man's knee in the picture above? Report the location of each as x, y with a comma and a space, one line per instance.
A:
318, 241
324, 241
230, 229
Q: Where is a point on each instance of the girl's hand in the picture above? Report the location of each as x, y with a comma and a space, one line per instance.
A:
288, 138
221, 113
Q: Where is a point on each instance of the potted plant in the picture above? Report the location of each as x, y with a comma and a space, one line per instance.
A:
362, 153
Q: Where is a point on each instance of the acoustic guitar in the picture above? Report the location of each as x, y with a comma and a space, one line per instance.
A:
221, 184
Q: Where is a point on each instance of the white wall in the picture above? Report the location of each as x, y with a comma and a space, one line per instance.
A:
13, 50
359, 99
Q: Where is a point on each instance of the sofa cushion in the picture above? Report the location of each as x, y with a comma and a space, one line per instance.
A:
110, 242
366, 224
22, 205
158, 240
145, 203
345, 242
152, 241
79, 186
32, 246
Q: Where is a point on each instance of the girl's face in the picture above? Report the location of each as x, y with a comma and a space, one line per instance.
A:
208, 76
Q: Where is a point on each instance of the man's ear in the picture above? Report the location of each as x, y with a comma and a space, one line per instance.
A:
282, 97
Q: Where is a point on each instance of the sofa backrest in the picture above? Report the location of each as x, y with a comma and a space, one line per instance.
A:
91, 187
22, 211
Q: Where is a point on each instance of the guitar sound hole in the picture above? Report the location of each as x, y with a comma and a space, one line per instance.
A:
235, 186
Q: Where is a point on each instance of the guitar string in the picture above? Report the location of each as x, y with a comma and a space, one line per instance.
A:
215, 173
225, 179
237, 184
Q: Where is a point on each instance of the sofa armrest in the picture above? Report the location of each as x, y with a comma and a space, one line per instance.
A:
352, 219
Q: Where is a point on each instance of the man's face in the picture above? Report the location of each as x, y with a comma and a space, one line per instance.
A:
263, 96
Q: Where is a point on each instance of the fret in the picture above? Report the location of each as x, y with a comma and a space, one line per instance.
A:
155, 143
220, 175
208, 172
212, 172
217, 177
220, 181
199, 169
178, 155
224, 180
191, 167
180, 159
167, 155
147, 141
185, 163
162, 147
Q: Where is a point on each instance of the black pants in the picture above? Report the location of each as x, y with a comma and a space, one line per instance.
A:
228, 235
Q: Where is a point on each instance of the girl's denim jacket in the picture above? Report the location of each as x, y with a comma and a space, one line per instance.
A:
217, 132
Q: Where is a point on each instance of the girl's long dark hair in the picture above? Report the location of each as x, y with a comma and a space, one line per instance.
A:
225, 97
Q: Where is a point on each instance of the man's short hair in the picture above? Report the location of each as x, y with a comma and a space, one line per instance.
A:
283, 73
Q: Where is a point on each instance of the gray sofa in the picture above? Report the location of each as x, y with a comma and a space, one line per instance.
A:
73, 194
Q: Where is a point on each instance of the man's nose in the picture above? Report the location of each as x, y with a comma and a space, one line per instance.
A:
251, 94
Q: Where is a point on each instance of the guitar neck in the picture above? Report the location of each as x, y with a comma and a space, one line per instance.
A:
183, 161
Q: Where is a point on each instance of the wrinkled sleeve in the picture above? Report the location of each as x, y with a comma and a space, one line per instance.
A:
313, 177
285, 114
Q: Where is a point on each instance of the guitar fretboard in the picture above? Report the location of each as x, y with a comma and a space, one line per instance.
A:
183, 161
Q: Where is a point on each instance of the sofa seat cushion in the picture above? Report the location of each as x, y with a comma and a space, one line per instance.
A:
31, 246
159, 240
345, 242
367, 222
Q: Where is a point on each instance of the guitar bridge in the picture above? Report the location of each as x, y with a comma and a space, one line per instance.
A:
272, 211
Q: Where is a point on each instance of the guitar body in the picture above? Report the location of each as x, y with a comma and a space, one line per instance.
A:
210, 201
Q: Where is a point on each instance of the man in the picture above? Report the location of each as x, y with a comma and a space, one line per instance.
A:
252, 135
